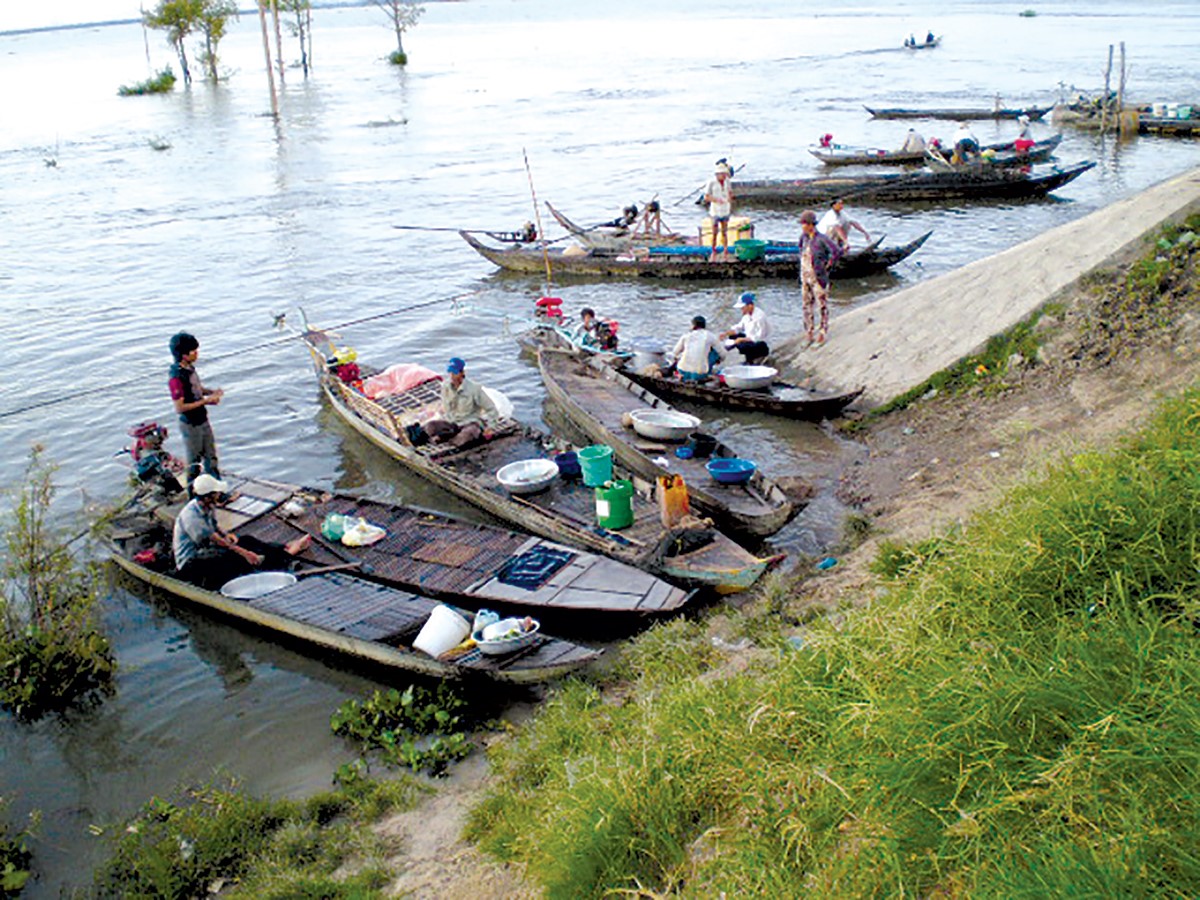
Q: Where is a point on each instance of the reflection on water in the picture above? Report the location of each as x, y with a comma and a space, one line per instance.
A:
106, 254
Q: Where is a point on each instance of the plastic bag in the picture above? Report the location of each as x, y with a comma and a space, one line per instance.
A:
361, 533
672, 499
483, 618
334, 526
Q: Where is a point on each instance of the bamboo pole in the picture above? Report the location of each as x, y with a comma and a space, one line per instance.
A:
1104, 103
1121, 94
538, 216
262, 20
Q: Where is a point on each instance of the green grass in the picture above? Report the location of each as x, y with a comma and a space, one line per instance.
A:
1019, 716
162, 83
216, 834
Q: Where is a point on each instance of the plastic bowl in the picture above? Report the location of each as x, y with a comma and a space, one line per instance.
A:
749, 378
664, 424
730, 470
257, 584
491, 639
528, 476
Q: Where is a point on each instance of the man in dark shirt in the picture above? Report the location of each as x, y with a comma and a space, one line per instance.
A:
191, 399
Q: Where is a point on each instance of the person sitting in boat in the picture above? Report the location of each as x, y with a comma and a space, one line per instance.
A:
207, 556
966, 145
913, 142
468, 413
836, 225
585, 332
697, 351
749, 336
912, 41
930, 39
1024, 140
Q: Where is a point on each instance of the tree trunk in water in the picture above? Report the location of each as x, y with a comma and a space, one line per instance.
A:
399, 38
262, 20
183, 63
308, 30
278, 39
211, 58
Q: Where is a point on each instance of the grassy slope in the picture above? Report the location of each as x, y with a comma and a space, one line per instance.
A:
1019, 716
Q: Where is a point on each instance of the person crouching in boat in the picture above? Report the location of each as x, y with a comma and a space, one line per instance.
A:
966, 145
836, 225
468, 413
749, 335
207, 556
913, 142
697, 351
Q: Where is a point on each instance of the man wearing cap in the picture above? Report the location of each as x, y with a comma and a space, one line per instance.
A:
191, 399
697, 351
468, 413
817, 256
207, 556
749, 336
718, 194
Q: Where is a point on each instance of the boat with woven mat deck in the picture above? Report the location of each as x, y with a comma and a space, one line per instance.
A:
692, 554
372, 615
597, 399
911, 187
688, 261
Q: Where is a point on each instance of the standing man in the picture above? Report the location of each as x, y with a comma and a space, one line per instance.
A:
749, 336
191, 399
718, 194
817, 256
836, 224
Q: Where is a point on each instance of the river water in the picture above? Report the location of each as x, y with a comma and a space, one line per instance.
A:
108, 246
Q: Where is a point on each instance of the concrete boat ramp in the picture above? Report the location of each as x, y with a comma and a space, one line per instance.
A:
896, 343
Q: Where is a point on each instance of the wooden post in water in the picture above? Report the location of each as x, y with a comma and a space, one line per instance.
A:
262, 20
1121, 123
1104, 103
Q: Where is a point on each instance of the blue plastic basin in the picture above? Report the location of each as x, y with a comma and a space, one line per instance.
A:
730, 470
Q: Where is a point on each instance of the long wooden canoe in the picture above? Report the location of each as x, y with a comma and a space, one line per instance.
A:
360, 619
907, 187
780, 260
564, 512
780, 399
1004, 154
960, 112
596, 397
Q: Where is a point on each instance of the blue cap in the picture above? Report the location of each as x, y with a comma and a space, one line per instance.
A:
456, 365
747, 297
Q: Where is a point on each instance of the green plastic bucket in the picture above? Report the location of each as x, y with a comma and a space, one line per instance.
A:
614, 504
749, 250
595, 463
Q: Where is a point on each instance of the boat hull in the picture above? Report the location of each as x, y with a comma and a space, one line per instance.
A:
1033, 112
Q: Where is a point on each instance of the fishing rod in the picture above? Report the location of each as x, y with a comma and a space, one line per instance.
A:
537, 214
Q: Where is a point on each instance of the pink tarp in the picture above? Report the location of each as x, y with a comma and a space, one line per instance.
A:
397, 379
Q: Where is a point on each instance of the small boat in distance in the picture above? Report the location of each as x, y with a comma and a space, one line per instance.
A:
959, 112
930, 42
1004, 153
323, 604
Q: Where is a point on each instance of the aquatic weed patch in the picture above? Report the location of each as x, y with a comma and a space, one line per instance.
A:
416, 728
16, 862
215, 838
1018, 716
162, 83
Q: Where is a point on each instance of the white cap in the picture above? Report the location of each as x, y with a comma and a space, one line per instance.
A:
205, 484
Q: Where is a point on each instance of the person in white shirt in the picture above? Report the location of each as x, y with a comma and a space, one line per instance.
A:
914, 142
697, 351
749, 336
836, 225
966, 145
718, 194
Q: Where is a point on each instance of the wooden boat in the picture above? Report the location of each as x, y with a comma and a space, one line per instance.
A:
565, 511
910, 187
596, 397
780, 399
990, 158
365, 620
923, 45
959, 113
779, 260
614, 238
846, 155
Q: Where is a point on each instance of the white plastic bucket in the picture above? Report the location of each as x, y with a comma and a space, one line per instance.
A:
443, 630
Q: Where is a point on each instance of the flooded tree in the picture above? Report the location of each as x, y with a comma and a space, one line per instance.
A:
403, 15
181, 18
301, 28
